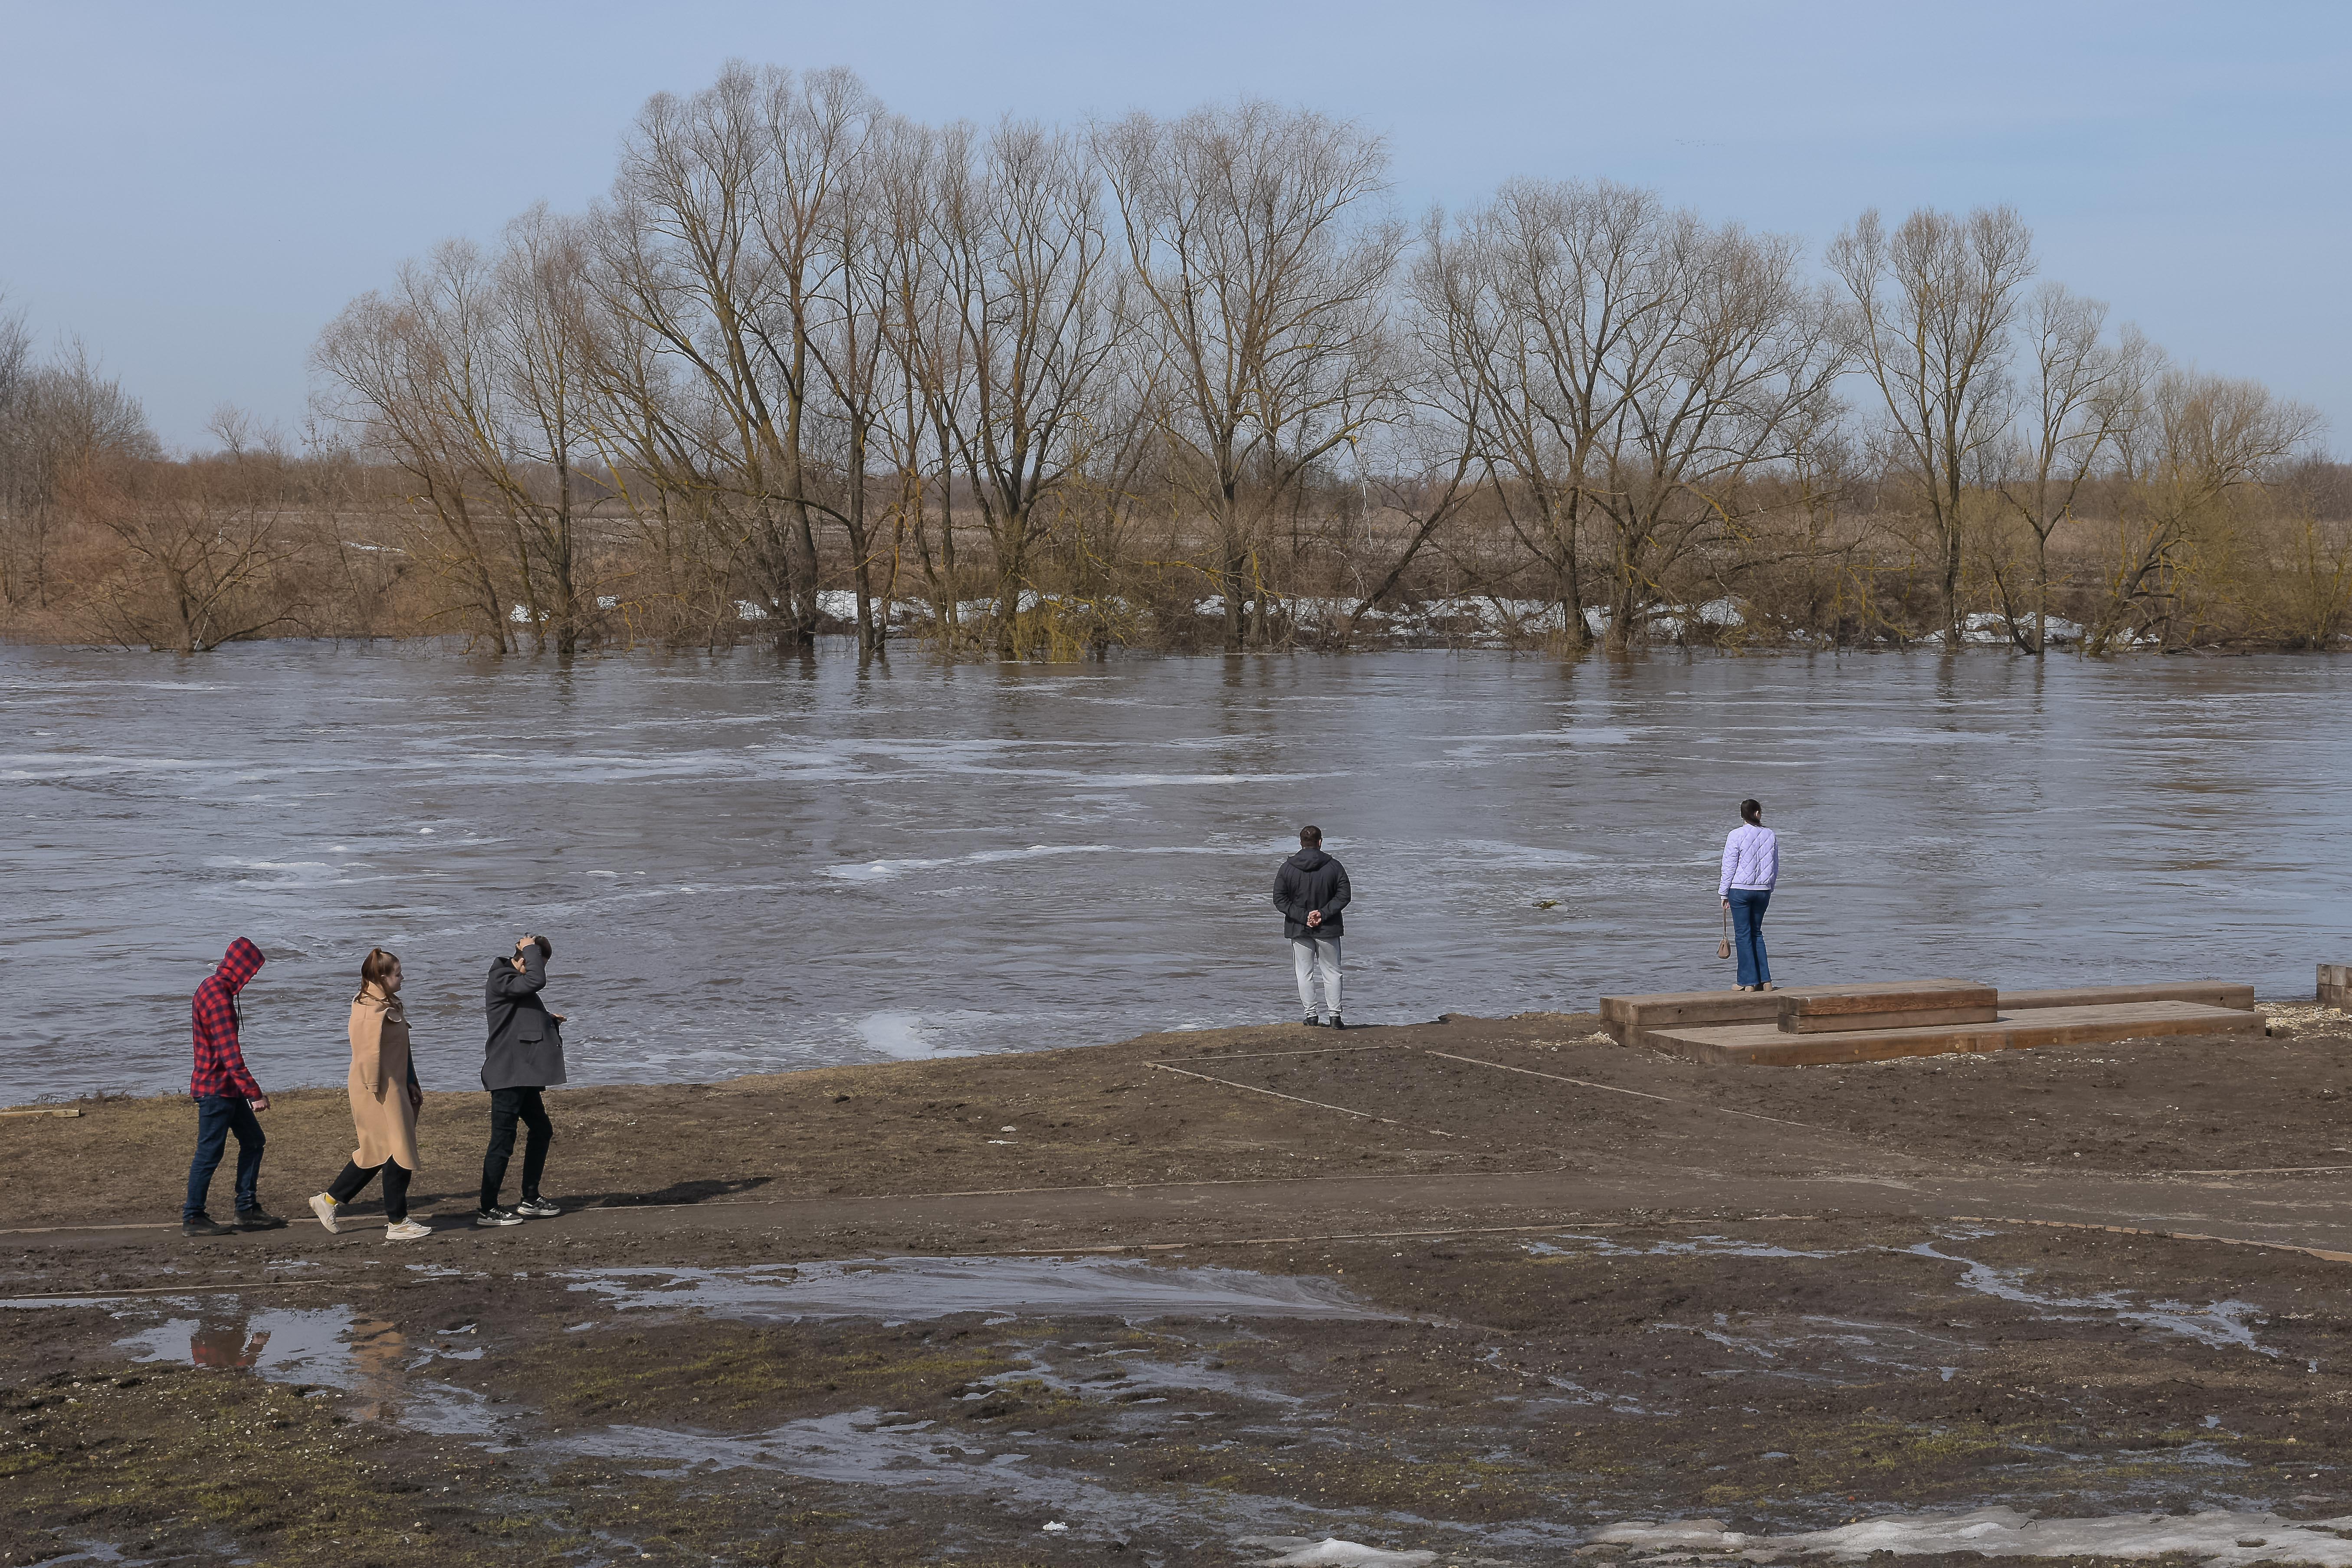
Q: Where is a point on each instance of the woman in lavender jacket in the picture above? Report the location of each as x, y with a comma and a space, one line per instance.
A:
1752, 865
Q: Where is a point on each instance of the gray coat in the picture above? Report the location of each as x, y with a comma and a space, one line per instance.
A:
526, 1048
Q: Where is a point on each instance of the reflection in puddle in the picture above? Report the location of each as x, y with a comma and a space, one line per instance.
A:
903, 1289
336, 1347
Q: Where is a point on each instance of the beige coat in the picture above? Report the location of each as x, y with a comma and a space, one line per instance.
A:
381, 1112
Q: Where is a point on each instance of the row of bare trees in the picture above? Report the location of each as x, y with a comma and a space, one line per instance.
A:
811, 363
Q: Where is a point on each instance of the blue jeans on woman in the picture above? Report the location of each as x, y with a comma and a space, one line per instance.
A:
1748, 933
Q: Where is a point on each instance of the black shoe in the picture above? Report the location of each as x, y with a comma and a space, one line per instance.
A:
487, 1218
258, 1218
1312, 1022
1338, 1021
204, 1225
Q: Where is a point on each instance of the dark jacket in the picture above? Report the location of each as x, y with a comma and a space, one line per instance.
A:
526, 1049
1310, 879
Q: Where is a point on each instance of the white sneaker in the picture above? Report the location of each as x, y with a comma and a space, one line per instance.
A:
537, 1208
406, 1230
324, 1207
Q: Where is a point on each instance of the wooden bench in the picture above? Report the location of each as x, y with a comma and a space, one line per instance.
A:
1835, 1012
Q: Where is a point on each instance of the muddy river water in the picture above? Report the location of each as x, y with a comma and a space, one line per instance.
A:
752, 868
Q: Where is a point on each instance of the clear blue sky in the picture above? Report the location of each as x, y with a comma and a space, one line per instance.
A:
195, 189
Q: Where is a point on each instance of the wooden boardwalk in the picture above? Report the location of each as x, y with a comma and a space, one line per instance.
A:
1804, 1025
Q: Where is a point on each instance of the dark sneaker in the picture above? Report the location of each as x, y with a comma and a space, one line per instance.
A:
258, 1218
1312, 1022
537, 1208
489, 1217
1338, 1021
204, 1225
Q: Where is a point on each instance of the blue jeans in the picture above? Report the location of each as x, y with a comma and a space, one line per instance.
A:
217, 1116
1748, 933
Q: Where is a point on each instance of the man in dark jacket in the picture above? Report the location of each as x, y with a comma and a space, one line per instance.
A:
227, 1096
1310, 890
525, 1055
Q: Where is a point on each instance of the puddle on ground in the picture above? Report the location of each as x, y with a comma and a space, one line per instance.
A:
2220, 1539
1678, 1247
910, 1289
2219, 1323
334, 1347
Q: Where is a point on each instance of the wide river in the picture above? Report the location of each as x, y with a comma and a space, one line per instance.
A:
746, 868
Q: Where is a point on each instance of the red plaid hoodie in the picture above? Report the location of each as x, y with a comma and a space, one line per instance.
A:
220, 1065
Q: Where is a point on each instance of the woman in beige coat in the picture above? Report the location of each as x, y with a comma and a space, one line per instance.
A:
385, 1102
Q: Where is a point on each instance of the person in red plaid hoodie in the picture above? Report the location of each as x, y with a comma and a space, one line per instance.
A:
227, 1096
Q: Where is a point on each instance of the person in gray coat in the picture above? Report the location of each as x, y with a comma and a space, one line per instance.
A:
525, 1055
1311, 889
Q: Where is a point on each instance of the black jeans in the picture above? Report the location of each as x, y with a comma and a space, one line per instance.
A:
509, 1106
217, 1116
354, 1181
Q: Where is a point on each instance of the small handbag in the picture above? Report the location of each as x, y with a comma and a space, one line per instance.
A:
1723, 948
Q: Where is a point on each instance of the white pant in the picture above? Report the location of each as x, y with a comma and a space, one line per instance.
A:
1304, 951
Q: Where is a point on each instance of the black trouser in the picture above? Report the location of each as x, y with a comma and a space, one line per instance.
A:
509, 1106
354, 1181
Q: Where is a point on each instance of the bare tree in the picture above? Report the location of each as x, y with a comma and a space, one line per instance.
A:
60, 419
2201, 445
543, 339
850, 316
1643, 370
416, 376
1937, 299
1033, 317
715, 246
2079, 395
206, 541
1264, 283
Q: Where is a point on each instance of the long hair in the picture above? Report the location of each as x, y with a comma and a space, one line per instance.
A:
373, 968
1752, 812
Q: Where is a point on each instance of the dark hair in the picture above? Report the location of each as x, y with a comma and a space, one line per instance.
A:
1311, 837
546, 948
1752, 812
375, 966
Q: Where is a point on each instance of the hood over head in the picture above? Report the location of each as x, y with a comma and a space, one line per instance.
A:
1309, 859
240, 963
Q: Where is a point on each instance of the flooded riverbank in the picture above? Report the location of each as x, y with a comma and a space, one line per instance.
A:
750, 867
1037, 1308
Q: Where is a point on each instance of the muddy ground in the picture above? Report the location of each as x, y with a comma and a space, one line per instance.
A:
1192, 1322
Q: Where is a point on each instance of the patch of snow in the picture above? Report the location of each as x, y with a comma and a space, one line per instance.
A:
1722, 613
1332, 1552
2220, 1540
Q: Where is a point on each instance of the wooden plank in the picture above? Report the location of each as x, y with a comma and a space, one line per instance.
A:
2334, 986
1628, 1017
2207, 992
1982, 1012
1752, 1045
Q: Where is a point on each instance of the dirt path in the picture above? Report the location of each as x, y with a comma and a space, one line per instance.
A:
1478, 1288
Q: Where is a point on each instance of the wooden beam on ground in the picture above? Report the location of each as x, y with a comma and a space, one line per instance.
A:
1763, 1044
1844, 1012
